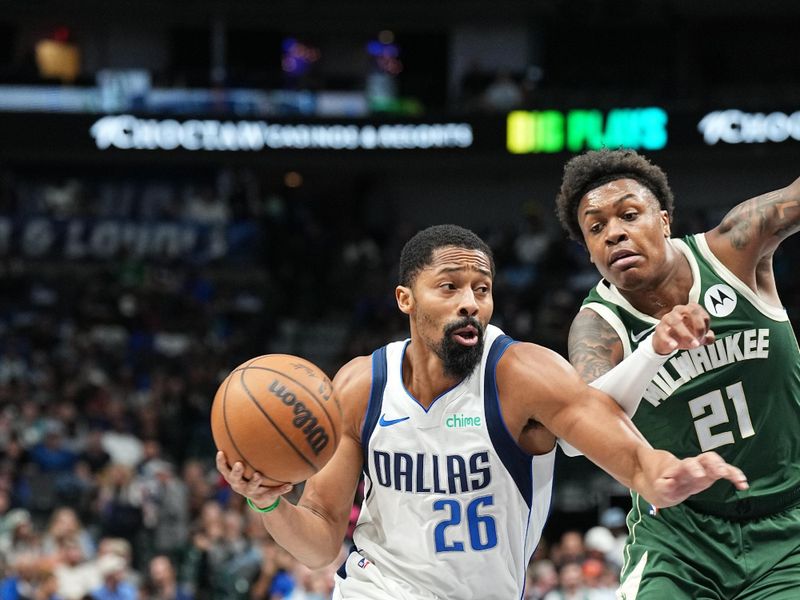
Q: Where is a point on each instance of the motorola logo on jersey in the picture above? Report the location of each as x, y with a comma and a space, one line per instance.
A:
720, 300
425, 473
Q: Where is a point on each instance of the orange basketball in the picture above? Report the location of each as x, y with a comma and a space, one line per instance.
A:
278, 415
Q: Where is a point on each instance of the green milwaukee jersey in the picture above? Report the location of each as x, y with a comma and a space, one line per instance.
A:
739, 396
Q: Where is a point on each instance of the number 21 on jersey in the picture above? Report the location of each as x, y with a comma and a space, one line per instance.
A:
714, 402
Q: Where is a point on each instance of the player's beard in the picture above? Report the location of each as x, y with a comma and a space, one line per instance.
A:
459, 360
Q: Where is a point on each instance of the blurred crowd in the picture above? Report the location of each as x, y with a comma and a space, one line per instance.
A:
108, 368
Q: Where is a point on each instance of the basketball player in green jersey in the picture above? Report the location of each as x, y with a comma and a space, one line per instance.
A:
739, 394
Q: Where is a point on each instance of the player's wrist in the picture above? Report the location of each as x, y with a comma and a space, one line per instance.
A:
649, 349
264, 509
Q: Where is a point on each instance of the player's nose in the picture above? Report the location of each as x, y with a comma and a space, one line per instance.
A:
468, 304
615, 232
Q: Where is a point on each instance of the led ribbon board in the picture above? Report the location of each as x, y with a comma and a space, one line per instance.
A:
738, 127
532, 132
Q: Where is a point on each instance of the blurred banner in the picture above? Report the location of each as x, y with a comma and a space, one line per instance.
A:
107, 239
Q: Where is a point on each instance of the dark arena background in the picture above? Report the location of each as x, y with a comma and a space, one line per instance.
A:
185, 185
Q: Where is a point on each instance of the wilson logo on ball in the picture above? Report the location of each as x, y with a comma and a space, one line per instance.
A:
304, 419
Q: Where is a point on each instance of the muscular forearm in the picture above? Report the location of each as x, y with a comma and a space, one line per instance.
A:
597, 428
649, 463
614, 444
627, 382
309, 536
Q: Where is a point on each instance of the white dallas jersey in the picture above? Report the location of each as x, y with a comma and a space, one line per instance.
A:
453, 507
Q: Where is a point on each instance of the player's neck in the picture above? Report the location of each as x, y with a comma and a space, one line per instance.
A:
667, 289
423, 374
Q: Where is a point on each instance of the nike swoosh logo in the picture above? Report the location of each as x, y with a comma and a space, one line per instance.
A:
637, 338
384, 422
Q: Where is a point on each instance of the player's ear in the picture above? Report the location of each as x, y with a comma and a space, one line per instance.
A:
665, 223
405, 299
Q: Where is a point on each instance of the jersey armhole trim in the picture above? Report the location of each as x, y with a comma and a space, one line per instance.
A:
515, 460
776, 313
379, 377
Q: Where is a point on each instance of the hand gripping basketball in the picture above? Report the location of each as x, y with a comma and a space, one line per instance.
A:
276, 415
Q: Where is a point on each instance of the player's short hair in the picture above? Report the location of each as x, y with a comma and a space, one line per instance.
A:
596, 168
418, 251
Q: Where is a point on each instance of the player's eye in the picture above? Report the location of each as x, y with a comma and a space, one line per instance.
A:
596, 228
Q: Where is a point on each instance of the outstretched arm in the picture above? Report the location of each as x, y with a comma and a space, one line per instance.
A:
752, 230
539, 381
313, 530
595, 348
685, 326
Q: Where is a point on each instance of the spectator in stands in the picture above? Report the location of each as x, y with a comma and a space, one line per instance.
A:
161, 581
613, 519
542, 579
52, 455
66, 526
570, 583
164, 504
601, 581
312, 584
116, 584
120, 441
198, 567
18, 537
272, 582
569, 549
76, 576
93, 453
235, 560
30, 578
120, 503
199, 484
14, 461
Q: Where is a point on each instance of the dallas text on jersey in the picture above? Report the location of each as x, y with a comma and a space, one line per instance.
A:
425, 473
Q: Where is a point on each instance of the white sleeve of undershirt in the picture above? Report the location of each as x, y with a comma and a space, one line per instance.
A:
627, 381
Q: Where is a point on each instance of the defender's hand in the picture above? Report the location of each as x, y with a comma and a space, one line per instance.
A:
261, 495
679, 479
684, 327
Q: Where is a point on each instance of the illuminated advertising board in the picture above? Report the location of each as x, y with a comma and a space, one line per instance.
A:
733, 126
127, 132
549, 131
514, 137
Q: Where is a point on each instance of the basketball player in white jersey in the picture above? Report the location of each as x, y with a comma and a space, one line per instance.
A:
454, 430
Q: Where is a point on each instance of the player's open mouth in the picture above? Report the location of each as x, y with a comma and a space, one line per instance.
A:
467, 336
623, 259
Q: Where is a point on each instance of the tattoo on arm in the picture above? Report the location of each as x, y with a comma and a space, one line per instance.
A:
594, 346
737, 225
772, 216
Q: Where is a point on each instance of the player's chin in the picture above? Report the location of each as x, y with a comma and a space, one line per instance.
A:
631, 279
